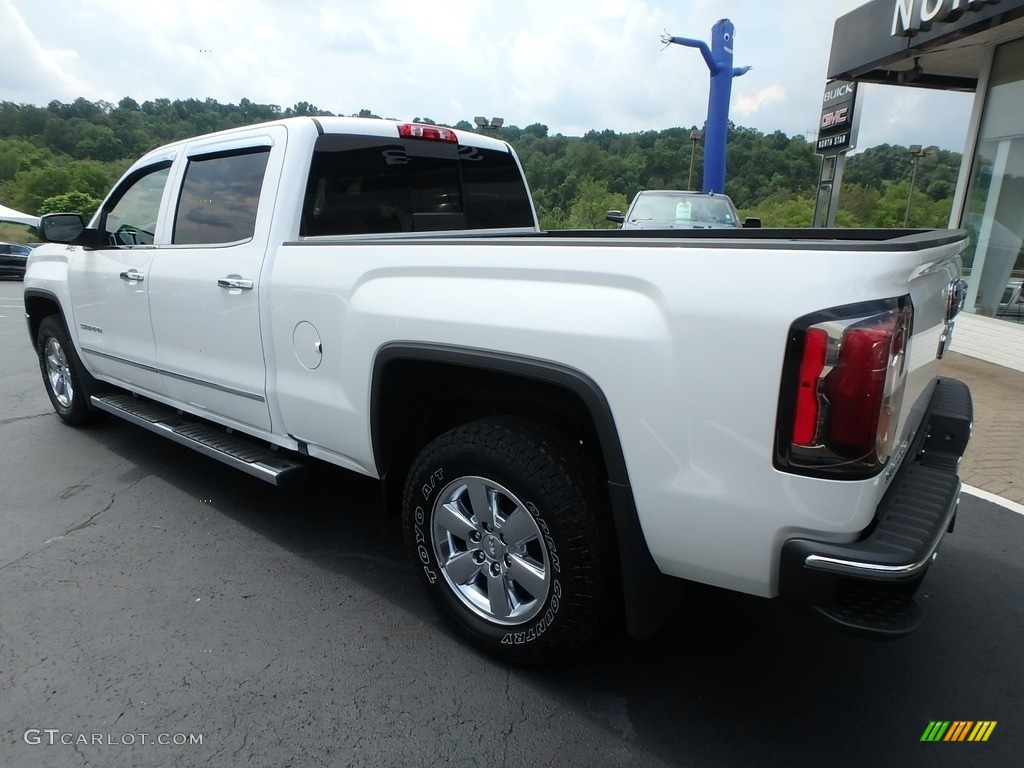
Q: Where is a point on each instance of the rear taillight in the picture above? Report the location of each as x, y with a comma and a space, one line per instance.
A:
425, 131
842, 389
812, 363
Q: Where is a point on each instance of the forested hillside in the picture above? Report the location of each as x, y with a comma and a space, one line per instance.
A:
66, 157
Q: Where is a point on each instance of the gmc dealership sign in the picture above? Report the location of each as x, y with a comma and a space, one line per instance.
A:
837, 128
912, 16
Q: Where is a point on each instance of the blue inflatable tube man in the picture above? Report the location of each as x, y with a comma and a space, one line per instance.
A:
719, 60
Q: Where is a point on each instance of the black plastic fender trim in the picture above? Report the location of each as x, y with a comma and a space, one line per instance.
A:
650, 597
39, 293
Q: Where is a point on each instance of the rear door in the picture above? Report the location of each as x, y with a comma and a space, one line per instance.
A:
204, 291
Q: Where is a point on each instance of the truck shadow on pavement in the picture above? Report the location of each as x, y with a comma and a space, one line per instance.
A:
730, 679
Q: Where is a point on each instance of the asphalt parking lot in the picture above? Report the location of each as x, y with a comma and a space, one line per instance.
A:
149, 594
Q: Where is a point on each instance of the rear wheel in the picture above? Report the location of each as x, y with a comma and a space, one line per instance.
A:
67, 382
509, 527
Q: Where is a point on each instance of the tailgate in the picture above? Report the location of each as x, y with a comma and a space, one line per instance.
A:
858, 376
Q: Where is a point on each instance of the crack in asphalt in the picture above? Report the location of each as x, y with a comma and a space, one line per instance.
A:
80, 526
87, 523
5, 422
558, 748
511, 723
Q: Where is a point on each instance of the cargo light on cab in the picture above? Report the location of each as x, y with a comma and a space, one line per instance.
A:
429, 132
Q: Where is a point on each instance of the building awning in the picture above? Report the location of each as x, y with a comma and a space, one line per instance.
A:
922, 43
9, 214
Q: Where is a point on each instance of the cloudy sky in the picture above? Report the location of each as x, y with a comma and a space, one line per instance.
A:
574, 65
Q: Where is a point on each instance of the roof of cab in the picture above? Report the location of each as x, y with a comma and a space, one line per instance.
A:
337, 125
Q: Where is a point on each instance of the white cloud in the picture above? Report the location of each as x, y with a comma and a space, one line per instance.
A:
749, 104
574, 65
28, 67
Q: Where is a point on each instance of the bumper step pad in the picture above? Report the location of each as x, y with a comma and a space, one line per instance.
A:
867, 585
244, 453
873, 609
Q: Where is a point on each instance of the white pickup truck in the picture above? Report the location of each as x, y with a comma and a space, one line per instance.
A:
572, 421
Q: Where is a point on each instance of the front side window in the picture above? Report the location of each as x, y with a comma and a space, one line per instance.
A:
220, 197
130, 218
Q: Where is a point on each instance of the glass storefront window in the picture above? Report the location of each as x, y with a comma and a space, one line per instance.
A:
994, 211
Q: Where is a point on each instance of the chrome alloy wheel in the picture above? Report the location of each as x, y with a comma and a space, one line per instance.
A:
491, 550
59, 373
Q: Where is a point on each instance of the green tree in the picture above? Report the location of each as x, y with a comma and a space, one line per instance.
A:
71, 202
784, 209
85, 146
21, 155
37, 184
593, 201
97, 142
858, 202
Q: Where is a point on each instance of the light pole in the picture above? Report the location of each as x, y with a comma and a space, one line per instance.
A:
483, 124
695, 136
916, 152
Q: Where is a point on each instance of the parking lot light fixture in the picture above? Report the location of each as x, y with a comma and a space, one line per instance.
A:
916, 151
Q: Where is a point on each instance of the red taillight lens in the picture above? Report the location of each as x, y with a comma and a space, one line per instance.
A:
429, 132
856, 387
843, 388
805, 417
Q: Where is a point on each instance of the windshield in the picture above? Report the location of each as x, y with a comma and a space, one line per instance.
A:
683, 210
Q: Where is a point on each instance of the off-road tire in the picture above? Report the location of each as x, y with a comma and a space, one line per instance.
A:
533, 583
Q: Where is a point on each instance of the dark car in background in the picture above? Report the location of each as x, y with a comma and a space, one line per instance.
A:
13, 257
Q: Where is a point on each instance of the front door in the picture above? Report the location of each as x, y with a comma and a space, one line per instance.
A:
110, 285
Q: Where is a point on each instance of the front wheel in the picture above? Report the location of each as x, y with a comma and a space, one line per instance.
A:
67, 382
508, 525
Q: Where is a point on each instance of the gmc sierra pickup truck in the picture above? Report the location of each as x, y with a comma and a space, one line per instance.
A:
569, 422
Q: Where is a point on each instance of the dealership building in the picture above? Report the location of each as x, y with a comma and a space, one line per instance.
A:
975, 47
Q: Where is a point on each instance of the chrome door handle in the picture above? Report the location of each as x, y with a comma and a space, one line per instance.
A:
235, 282
133, 274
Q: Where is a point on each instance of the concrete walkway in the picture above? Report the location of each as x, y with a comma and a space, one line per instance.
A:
994, 461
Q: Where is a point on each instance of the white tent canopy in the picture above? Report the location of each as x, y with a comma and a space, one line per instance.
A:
9, 214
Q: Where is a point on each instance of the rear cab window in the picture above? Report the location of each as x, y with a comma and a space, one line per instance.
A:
375, 185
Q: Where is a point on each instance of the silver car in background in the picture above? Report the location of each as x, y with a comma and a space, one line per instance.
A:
680, 209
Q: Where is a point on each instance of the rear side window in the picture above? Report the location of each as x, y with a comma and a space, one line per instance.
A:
220, 197
371, 185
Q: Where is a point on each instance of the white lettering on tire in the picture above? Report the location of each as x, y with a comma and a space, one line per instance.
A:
538, 629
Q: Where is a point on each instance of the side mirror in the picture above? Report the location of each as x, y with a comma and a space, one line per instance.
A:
751, 222
615, 216
64, 228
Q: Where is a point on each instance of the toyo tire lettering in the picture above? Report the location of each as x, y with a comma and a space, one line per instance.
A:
509, 523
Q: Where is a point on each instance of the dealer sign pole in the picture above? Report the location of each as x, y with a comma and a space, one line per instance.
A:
837, 135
